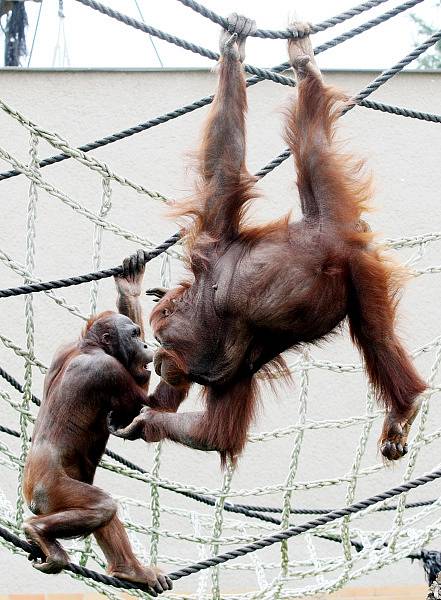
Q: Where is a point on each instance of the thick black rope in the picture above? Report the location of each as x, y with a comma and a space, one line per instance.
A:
264, 542
79, 279
393, 12
17, 385
222, 21
261, 73
238, 508
264, 73
35, 552
188, 108
296, 530
431, 559
248, 510
402, 112
95, 276
399, 66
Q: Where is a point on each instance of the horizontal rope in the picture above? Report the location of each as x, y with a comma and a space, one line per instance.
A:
264, 542
257, 515
188, 108
248, 510
284, 33
86, 278
245, 509
400, 111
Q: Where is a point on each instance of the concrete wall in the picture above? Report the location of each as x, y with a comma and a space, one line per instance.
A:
404, 154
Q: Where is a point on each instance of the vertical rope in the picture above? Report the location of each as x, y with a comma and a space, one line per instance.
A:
217, 527
352, 486
29, 324
415, 450
294, 461
106, 205
61, 54
165, 271
155, 504
262, 580
85, 552
415, 447
202, 555
315, 559
137, 547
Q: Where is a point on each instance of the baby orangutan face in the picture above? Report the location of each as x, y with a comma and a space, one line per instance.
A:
120, 337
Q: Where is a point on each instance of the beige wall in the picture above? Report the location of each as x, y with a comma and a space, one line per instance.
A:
405, 157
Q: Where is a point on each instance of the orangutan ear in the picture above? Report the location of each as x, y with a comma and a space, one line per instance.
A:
158, 293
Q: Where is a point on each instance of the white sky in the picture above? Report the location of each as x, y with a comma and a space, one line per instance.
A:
95, 40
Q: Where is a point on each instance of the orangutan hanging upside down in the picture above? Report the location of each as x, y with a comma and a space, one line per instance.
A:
105, 371
257, 291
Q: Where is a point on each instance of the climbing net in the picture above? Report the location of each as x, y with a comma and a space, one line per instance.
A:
193, 528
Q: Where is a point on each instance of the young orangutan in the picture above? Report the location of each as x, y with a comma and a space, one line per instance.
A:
257, 291
105, 370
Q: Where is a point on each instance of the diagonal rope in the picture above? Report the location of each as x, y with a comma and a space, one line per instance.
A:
95, 276
59, 143
369, 89
399, 66
188, 108
319, 566
264, 542
264, 73
296, 530
173, 39
248, 510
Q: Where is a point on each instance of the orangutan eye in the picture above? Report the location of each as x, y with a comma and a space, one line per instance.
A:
165, 312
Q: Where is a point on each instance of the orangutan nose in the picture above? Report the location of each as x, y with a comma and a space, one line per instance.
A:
148, 353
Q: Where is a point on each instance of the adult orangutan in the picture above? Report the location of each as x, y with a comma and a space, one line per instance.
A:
257, 291
105, 371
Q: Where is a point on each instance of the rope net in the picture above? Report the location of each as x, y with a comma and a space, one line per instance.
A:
174, 515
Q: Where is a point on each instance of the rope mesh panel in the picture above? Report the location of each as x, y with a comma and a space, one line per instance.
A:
227, 529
